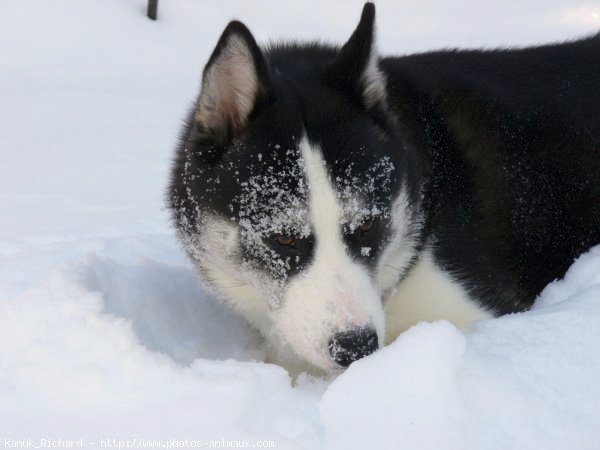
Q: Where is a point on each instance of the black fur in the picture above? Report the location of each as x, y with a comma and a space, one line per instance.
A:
510, 142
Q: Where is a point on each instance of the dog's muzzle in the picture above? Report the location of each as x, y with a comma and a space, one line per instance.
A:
351, 345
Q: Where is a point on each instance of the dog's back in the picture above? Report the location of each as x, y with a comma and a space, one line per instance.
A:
511, 139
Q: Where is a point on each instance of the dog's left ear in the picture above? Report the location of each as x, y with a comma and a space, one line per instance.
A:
357, 64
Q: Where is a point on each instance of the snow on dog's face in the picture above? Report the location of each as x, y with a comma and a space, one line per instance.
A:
290, 192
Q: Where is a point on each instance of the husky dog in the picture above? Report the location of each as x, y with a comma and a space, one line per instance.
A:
334, 198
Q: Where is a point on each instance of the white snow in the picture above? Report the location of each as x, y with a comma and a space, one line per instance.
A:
104, 330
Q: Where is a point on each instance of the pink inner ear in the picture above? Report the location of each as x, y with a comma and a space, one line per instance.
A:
226, 105
230, 88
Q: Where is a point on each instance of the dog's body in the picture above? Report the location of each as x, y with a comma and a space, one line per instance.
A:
334, 199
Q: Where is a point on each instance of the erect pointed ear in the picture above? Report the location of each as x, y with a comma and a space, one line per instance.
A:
234, 80
357, 63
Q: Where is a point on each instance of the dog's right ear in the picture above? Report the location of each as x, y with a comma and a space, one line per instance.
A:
235, 79
356, 67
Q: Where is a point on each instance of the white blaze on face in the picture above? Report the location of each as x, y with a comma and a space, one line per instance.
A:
396, 257
334, 293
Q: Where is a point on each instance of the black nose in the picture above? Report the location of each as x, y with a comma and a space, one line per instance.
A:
349, 346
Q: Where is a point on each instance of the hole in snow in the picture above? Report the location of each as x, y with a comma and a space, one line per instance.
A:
170, 312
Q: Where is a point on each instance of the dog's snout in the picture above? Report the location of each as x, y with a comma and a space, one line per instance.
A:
351, 345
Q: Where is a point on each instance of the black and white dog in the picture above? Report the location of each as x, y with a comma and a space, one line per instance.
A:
334, 198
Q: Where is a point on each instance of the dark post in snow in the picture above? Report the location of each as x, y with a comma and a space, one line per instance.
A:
152, 9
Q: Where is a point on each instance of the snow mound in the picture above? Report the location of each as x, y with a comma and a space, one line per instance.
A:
521, 381
140, 350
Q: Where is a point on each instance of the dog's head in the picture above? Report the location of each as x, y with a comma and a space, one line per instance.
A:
294, 191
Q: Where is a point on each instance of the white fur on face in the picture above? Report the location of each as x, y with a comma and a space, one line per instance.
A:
216, 250
334, 293
402, 246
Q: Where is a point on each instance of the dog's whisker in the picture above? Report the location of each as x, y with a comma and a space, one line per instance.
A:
232, 285
395, 268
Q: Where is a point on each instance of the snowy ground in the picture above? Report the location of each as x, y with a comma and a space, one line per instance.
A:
105, 331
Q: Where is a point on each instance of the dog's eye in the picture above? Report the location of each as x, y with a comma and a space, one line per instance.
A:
367, 226
286, 241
